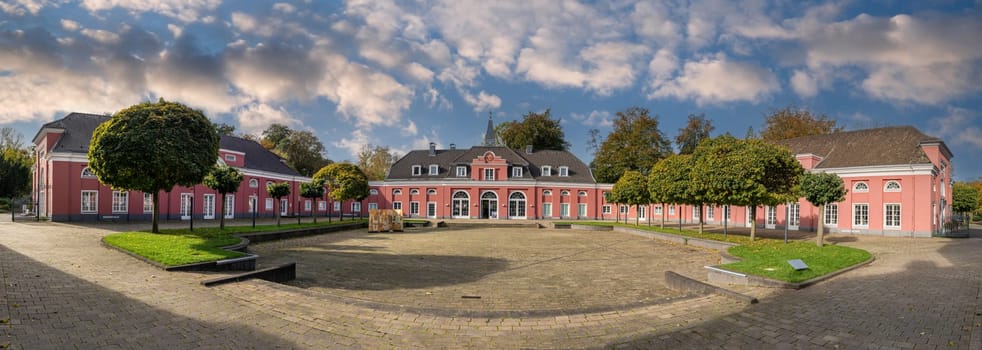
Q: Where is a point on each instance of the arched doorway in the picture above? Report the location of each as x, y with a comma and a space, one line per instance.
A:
461, 205
489, 205
516, 205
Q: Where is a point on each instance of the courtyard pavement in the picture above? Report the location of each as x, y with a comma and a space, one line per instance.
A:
60, 289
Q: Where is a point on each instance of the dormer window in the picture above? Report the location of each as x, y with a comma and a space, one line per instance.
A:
892, 186
229, 157
434, 169
546, 170
516, 171
563, 171
417, 170
860, 187
461, 171
87, 173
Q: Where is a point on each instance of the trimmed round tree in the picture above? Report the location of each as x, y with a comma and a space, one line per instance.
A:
632, 189
278, 190
669, 182
347, 182
821, 189
225, 180
312, 190
153, 146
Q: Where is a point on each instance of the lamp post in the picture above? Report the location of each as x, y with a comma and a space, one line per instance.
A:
191, 213
787, 220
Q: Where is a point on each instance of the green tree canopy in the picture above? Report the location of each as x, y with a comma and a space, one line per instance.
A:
791, 122
632, 189
15, 174
669, 181
635, 143
821, 189
347, 182
278, 190
536, 129
698, 128
225, 180
301, 149
964, 199
375, 161
224, 129
312, 190
152, 147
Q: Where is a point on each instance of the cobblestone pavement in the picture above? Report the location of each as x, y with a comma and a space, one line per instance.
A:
60, 289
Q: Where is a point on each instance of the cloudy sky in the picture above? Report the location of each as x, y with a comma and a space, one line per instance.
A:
407, 73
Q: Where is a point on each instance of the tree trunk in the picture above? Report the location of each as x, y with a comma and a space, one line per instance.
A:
702, 210
663, 215
821, 226
156, 212
341, 217
278, 208
753, 222
221, 220
314, 211
637, 216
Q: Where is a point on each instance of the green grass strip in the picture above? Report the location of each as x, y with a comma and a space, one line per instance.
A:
175, 247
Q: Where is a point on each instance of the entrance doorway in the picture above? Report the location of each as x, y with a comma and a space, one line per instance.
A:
489, 205
461, 205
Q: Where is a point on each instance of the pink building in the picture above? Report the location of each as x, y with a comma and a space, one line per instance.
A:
66, 190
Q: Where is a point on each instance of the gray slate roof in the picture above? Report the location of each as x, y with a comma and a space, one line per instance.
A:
78, 129
447, 160
897, 145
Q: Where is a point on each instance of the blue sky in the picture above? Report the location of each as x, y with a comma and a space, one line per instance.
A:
407, 73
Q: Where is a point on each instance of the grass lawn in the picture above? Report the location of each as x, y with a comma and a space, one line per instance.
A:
768, 257
180, 246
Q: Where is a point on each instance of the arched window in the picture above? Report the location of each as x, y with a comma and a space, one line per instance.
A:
860, 187
253, 183
581, 194
460, 207
413, 192
373, 191
431, 192
547, 193
891, 186
87, 173
269, 183
396, 192
516, 205
564, 193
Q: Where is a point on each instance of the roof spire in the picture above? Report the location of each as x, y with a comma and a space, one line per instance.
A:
490, 139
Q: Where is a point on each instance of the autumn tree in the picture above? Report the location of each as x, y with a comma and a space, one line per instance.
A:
632, 189
151, 147
278, 190
698, 128
225, 180
375, 161
346, 181
10, 139
965, 200
821, 189
313, 191
669, 182
790, 122
536, 129
635, 143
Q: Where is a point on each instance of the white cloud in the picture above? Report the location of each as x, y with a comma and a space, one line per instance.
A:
284, 7
175, 30
595, 119
69, 25
804, 84
22, 7
102, 36
959, 126
184, 10
256, 117
354, 143
718, 80
482, 101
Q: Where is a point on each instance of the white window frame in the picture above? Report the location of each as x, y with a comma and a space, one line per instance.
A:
710, 213
623, 209
87, 173
434, 169
397, 205
373, 192
397, 192
606, 209
229, 203
431, 192
488, 174
461, 171
92, 206
886, 186
886, 216
563, 210
356, 207
564, 193
414, 208
770, 217
431, 209
337, 206
230, 157
516, 171
547, 210
794, 216
284, 206
546, 170
372, 206
253, 203
581, 193
581, 210
671, 210
208, 211
658, 210
547, 193
321, 205
856, 189
696, 210
855, 217
269, 204
307, 205
831, 215
253, 183
414, 192
186, 206
642, 212
564, 171
148, 203
417, 170
121, 201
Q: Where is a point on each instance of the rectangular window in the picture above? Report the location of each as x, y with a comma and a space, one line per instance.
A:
413, 208
321, 205
489, 174
147, 203
209, 206
372, 206
461, 171
831, 214
284, 207
417, 170
696, 211
546, 171
710, 213
658, 210
186, 202
606, 209
547, 210
431, 209
623, 209
269, 204
90, 201
337, 206
671, 210
795, 215
642, 212
253, 201
563, 171
581, 210
229, 204
355, 207
892, 216
120, 200
434, 169
397, 205
771, 216
516, 171
564, 210
306, 205
860, 215
230, 157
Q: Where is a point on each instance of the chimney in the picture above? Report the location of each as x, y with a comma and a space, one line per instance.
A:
528, 149
453, 146
432, 149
